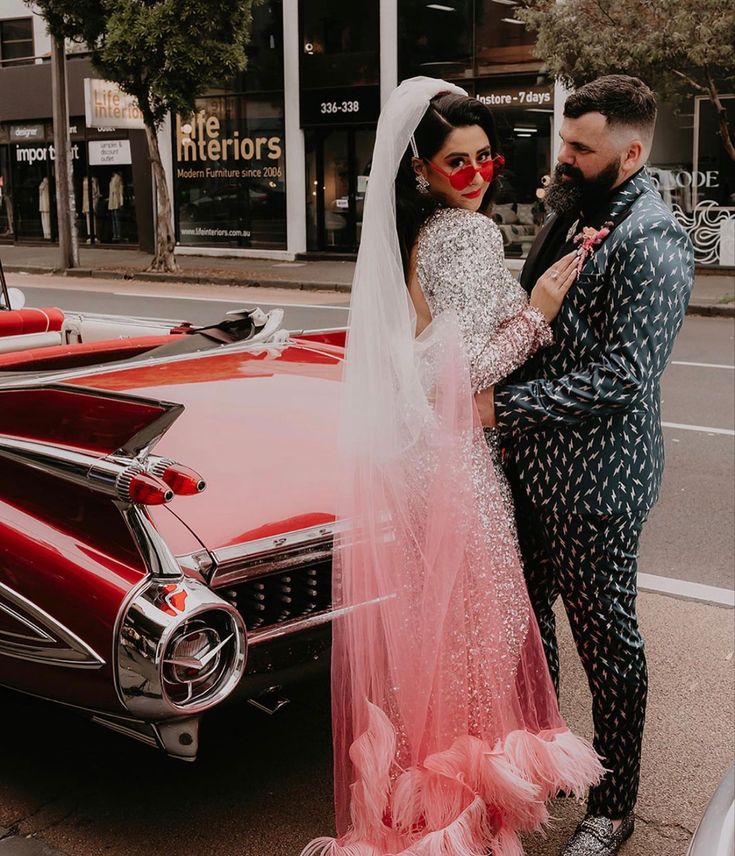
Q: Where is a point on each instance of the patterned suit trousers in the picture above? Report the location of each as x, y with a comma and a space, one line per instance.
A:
592, 562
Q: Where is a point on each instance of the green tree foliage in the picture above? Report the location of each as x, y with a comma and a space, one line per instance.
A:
679, 47
164, 52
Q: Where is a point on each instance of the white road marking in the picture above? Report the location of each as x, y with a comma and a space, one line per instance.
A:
728, 432
702, 365
686, 589
284, 304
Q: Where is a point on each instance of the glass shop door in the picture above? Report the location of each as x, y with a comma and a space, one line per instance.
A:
337, 169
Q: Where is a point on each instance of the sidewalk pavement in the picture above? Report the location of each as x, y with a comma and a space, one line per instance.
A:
16, 845
714, 293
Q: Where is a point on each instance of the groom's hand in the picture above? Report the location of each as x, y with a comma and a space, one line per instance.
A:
485, 402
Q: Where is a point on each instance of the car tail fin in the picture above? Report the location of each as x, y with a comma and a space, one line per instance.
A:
97, 421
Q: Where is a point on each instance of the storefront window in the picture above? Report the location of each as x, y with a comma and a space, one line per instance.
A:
716, 182
264, 69
435, 39
16, 42
102, 180
671, 163
340, 43
230, 155
33, 187
523, 111
501, 41
696, 177
229, 170
105, 195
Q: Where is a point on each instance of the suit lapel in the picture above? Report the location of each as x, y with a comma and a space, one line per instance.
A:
620, 208
527, 278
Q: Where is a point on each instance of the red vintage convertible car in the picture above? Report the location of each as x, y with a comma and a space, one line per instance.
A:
166, 513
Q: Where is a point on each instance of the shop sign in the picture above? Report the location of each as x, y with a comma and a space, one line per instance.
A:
523, 97
343, 105
109, 152
27, 133
683, 178
107, 106
34, 154
76, 129
199, 138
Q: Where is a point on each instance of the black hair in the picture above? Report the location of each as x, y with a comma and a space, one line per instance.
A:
624, 100
446, 111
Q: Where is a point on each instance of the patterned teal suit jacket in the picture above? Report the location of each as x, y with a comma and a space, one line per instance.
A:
582, 425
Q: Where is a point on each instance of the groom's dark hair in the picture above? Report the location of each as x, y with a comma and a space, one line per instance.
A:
625, 101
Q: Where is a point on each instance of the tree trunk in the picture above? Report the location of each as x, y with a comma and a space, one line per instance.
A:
164, 259
65, 208
722, 116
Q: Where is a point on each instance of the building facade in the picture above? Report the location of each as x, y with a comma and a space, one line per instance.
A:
276, 162
111, 174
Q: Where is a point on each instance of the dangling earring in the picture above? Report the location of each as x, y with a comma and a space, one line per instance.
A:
422, 182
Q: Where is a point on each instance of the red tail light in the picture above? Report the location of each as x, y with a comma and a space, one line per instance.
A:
148, 490
182, 480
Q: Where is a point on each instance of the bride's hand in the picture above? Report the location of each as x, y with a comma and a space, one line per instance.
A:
552, 286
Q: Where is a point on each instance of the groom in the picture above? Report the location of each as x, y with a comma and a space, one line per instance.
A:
582, 421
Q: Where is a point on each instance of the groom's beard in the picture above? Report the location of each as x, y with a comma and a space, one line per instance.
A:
579, 193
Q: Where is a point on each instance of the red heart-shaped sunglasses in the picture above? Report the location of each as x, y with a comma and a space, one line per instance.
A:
463, 176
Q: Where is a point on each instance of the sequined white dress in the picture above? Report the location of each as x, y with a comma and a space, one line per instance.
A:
461, 267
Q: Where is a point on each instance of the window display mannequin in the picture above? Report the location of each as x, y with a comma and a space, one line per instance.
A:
44, 208
91, 215
115, 203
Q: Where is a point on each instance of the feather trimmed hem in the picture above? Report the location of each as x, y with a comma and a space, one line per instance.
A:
467, 800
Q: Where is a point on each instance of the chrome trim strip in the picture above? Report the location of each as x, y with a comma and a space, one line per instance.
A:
296, 334
148, 739
110, 475
134, 592
262, 548
68, 650
298, 624
72, 465
277, 560
155, 551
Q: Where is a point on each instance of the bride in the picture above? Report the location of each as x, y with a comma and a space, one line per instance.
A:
447, 735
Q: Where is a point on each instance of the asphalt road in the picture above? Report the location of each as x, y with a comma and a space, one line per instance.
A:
198, 304
262, 785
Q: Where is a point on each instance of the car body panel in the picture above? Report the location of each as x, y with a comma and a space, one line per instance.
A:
715, 833
146, 615
77, 580
261, 427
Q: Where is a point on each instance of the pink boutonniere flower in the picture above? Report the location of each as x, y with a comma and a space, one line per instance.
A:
588, 239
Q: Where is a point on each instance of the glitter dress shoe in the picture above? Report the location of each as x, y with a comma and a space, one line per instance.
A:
595, 836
